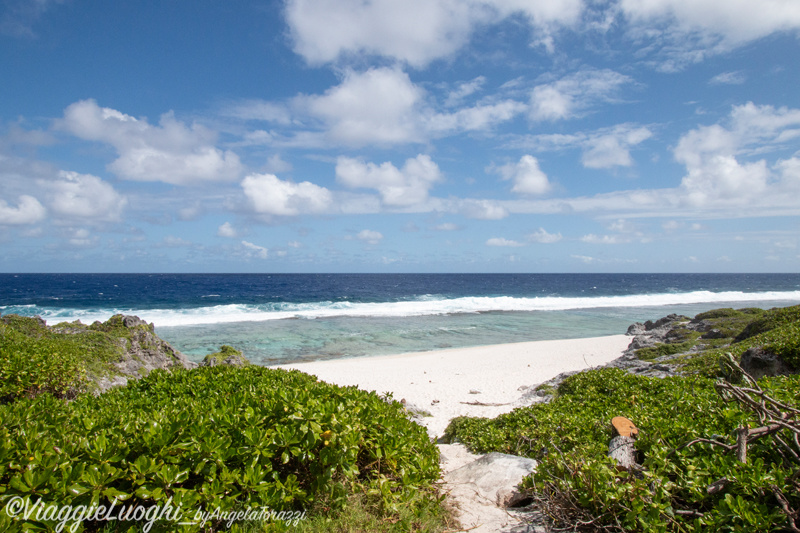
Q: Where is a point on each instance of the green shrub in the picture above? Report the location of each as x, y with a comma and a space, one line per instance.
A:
569, 437
770, 320
215, 437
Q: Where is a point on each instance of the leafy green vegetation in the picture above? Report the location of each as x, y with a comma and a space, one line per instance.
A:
217, 437
771, 320
35, 359
577, 485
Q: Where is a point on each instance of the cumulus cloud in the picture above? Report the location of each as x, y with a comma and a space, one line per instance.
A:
541, 236
82, 238
171, 152
272, 196
398, 187
527, 177
27, 211
380, 106
84, 196
415, 31
227, 230
253, 250
712, 156
369, 236
500, 241
573, 95
376, 106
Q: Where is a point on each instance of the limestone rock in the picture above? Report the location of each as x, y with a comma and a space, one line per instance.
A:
143, 350
494, 477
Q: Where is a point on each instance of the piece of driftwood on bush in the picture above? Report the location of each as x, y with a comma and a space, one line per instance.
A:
620, 448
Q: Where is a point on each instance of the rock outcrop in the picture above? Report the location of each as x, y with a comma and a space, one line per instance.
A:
484, 490
227, 355
141, 350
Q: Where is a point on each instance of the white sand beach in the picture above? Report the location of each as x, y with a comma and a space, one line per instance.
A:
455, 382
481, 381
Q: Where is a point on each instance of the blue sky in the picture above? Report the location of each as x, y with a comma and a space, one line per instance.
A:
400, 136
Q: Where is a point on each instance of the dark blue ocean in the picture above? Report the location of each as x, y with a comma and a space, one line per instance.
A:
278, 318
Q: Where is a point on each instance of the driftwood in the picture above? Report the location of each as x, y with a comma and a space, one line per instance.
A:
621, 448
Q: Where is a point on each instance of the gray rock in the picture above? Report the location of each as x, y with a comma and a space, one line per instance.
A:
494, 477
759, 363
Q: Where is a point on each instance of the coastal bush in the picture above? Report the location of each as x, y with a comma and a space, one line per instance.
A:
770, 320
214, 438
579, 484
36, 360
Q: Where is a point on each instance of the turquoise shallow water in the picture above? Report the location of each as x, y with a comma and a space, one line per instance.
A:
283, 341
277, 318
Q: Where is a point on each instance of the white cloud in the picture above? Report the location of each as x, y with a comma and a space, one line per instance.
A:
28, 211
271, 196
464, 90
678, 33
253, 250
735, 21
541, 236
417, 32
613, 148
603, 148
789, 173
500, 241
527, 177
603, 239
585, 259
398, 187
84, 196
82, 238
447, 226
170, 152
712, 156
480, 209
379, 106
573, 95
414, 31
369, 236
227, 230
729, 78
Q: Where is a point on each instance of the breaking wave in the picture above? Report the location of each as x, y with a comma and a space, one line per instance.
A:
421, 306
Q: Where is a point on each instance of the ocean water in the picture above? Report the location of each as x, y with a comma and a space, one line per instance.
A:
279, 318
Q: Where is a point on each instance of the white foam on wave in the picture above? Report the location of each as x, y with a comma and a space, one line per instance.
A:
220, 314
